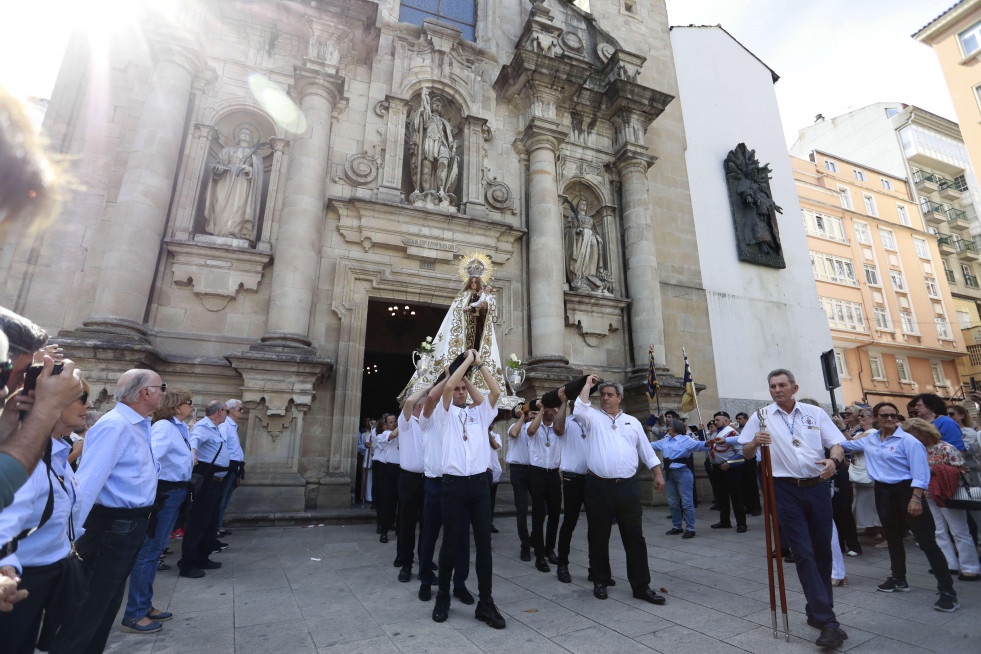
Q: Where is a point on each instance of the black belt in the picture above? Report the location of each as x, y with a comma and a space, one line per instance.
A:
899, 484
518, 465
614, 480
164, 485
414, 474
112, 513
573, 475
802, 483
476, 476
543, 469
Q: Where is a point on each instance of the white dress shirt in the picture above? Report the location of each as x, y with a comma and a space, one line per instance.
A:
495, 459
798, 438
412, 457
387, 447
617, 444
432, 447
171, 447
470, 456
574, 447
518, 447
544, 447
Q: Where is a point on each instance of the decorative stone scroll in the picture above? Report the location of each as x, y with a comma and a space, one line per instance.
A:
361, 169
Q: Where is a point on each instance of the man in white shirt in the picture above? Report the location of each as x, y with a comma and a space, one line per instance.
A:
573, 467
616, 445
466, 452
519, 469
797, 435
727, 461
544, 451
385, 464
236, 456
411, 480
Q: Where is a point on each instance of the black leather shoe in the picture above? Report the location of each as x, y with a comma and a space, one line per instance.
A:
221, 544
398, 562
551, 558
541, 564
464, 595
442, 609
405, 574
563, 574
599, 591
425, 592
589, 577
675, 531
741, 529
494, 530
383, 538
689, 534
721, 525
525, 554
193, 573
487, 612
649, 595
831, 637
210, 565
162, 567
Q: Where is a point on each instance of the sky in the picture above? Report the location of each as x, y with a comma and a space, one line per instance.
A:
832, 56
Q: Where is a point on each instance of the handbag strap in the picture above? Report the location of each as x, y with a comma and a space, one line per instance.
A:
10, 547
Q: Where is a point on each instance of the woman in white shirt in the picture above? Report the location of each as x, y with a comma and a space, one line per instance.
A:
863, 487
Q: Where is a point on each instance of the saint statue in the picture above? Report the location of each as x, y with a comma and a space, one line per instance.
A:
468, 324
432, 150
754, 212
584, 268
232, 205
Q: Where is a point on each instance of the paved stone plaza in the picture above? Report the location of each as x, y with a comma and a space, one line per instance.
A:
293, 590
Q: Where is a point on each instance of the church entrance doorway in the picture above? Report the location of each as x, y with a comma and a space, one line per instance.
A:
393, 330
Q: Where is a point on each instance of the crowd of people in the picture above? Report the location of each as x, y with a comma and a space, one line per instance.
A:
90, 502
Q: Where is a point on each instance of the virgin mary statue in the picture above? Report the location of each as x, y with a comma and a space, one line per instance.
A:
468, 324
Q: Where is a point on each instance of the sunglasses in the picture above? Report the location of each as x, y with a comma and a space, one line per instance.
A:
162, 387
888, 416
5, 369
85, 397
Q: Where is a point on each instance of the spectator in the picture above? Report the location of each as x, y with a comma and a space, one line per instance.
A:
77, 438
841, 499
359, 468
971, 453
236, 467
863, 487
933, 409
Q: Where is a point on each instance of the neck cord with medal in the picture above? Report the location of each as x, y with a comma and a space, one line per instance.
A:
791, 426
548, 441
614, 418
463, 422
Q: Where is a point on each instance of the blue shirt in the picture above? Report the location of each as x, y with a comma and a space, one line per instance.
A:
677, 448
362, 448
208, 441
229, 429
172, 449
950, 432
49, 543
898, 458
118, 469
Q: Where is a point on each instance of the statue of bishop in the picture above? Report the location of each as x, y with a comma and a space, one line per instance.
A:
232, 204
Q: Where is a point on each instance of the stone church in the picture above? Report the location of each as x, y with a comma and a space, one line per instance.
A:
271, 200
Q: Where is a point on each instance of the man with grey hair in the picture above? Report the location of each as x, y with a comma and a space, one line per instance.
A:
201, 528
236, 466
117, 488
616, 445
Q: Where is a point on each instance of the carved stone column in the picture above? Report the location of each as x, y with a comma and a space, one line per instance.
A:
279, 147
646, 325
140, 214
472, 191
190, 185
297, 250
542, 138
397, 109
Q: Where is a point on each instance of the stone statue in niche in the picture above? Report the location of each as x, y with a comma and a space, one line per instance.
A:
431, 154
585, 269
235, 189
754, 213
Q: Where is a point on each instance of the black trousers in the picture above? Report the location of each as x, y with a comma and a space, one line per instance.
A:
750, 487
729, 491
411, 497
385, 491
606, 499
466, 497
710, 473
891, 503
358, 477
493, 492
201, 528
20, 627
519, 484
573, 488
841, 504
108, 550
546, 500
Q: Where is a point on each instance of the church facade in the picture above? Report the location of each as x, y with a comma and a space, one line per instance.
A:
250, 176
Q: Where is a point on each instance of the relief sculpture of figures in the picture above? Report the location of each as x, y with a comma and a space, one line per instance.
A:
235, 189
431, 151
754, 212
585, 268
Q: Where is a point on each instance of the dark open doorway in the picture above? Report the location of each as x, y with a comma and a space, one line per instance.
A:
394, 330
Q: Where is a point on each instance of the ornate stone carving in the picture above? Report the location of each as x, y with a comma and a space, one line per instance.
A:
430, 147
381, 108
586, 268
572, 42
754, 213
487, 133
594, 316
604, 51
361, 168
497, 194
235, 188
216, 269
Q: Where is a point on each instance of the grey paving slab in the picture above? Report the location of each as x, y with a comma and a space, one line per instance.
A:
334, 589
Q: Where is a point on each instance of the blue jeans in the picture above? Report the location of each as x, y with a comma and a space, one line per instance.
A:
230, 486
145, 569
681, 486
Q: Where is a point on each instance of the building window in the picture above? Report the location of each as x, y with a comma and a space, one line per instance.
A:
969, 279
963, 319
974, 354
846, 198
870, 205
888, 239
903, 369
943, 328
871, 275
886, 184
960, 183
906, 320
898, 282
844, 315
881, 317
841, 362
903, 216
922, 251
948, 273
831, 166
862, 234
859, 175
970, 40
461, 14
938, 374
876, 367
931, 286
819, 224
830, 268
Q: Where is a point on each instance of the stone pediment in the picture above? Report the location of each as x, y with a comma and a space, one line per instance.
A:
423, 234
562, 30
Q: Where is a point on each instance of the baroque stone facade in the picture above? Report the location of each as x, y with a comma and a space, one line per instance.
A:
386, 150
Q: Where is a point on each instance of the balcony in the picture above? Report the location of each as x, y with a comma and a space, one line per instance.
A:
926, 183
934, 213
966, 249
969, 280
948, 190
957, 220
950, 276
946, 243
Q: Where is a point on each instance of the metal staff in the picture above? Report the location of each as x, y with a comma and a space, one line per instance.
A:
772, 529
